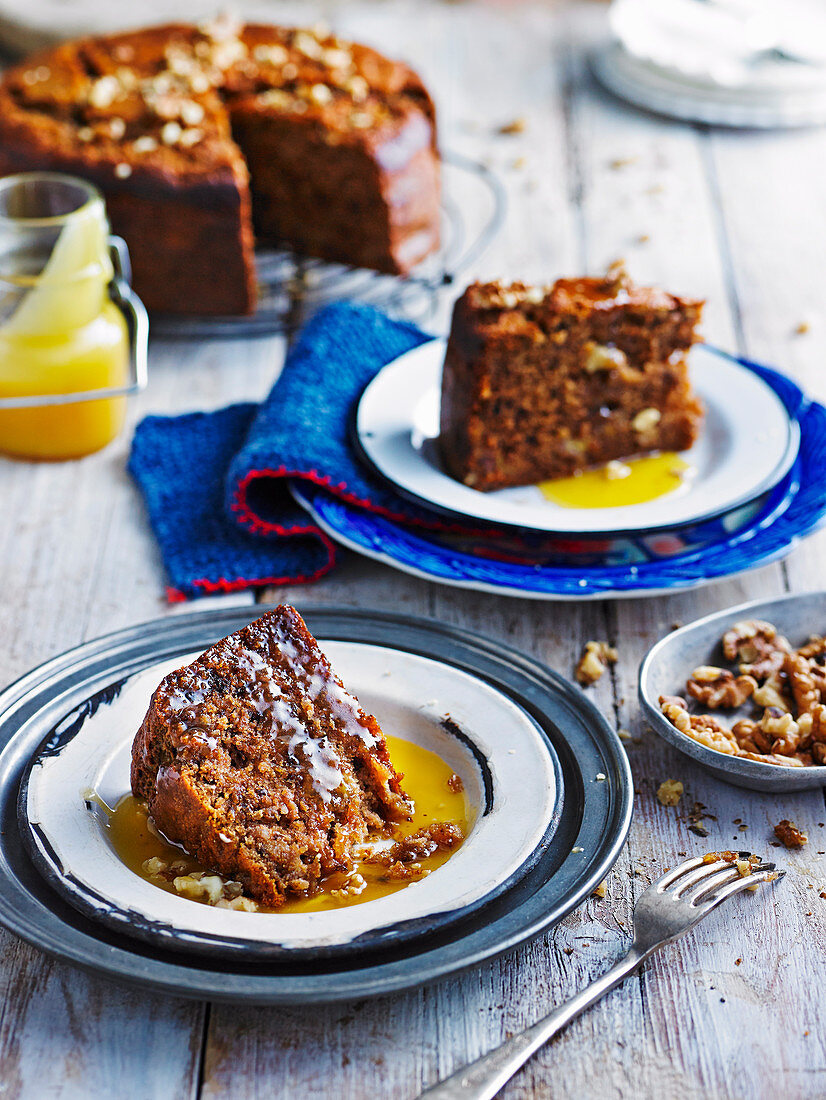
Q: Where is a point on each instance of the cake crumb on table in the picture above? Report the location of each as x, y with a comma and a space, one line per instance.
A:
600, 891
670, 791
515, 126
596, 657
788, 834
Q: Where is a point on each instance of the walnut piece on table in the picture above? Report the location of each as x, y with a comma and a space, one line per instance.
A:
596, 657
515, 126
670, 791
789, 835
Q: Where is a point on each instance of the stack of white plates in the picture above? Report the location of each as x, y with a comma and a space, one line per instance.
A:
724, 62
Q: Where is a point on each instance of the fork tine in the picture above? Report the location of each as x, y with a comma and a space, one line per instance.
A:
708, 884
685, 882
742, 883
666, 880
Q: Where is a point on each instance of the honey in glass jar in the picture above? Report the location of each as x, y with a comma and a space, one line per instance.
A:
60, 333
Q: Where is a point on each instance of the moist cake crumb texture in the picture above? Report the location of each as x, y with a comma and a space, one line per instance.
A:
541, 382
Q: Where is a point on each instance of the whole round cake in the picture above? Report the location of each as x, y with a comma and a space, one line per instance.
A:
202, 138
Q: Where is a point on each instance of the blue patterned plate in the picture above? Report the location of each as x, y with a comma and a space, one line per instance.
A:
647, 565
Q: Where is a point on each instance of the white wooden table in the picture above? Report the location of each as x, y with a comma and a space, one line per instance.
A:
737, 1009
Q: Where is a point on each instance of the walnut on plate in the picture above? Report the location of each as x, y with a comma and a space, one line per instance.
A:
786, 684
717, 687
804, 690
757, 646
705, 728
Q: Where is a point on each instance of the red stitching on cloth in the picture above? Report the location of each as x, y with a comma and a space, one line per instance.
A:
253, 522
175, 595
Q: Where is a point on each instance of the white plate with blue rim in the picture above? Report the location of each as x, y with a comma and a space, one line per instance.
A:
650, 564
490, 742
747, 444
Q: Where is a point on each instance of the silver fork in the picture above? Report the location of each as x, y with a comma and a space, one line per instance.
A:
664, 911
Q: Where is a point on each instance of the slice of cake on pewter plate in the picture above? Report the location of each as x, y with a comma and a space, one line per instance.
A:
543, 382
262, 766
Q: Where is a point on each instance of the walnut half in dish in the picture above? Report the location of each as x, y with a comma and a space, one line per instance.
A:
786, 688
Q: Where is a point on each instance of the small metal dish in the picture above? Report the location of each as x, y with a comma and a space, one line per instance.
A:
669, 663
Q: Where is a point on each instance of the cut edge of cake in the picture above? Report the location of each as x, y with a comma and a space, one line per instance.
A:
540, 382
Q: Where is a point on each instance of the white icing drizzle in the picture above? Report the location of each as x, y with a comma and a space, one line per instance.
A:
322, 761
277, 715
342, 705
321, 684
189, 694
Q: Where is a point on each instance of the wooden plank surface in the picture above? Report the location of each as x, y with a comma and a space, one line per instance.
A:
736, 218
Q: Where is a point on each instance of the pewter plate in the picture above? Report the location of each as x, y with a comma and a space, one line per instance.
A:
590, 829
669, 663
503, 759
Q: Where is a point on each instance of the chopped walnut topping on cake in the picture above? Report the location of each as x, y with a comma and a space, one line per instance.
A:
786, 686
215, 59
104, 91
646, 420
500, 295
145, 144
596, 656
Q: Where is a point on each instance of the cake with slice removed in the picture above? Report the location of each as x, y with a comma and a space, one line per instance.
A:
197, 134
258, 762
541, 382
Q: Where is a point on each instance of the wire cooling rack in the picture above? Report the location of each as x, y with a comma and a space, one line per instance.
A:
293, 287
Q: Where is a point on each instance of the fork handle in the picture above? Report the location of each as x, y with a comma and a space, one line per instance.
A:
483, 1078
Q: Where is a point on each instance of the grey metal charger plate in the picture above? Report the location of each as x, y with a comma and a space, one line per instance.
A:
513, 765
590, 834
668, 664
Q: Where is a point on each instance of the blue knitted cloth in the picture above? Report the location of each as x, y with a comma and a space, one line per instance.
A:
215, 484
